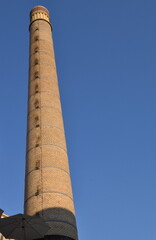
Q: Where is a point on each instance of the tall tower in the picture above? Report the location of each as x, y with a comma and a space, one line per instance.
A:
48, 191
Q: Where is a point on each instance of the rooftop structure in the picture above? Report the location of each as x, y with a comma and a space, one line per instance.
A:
3, 216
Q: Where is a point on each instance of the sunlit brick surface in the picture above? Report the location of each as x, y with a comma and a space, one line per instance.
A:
48, 189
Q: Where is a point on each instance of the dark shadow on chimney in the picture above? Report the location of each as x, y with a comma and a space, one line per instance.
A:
62, 223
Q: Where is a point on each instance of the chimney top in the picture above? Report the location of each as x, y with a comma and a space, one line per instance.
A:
39, 12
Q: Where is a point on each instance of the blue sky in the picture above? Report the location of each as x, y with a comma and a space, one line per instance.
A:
106, 62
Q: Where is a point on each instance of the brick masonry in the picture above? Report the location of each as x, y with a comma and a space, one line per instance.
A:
48, 190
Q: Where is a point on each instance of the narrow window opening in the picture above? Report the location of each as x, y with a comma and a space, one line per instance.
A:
36, 29
36, 89
37, 164
37, 214
36, 62
36, 104
37, 192
36, 74
36, 118
36, 38
36, 49
37, 141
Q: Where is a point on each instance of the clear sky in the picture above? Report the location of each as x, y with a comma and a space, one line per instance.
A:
106, 62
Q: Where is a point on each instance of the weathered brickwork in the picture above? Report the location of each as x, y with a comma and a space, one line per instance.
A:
48, 189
